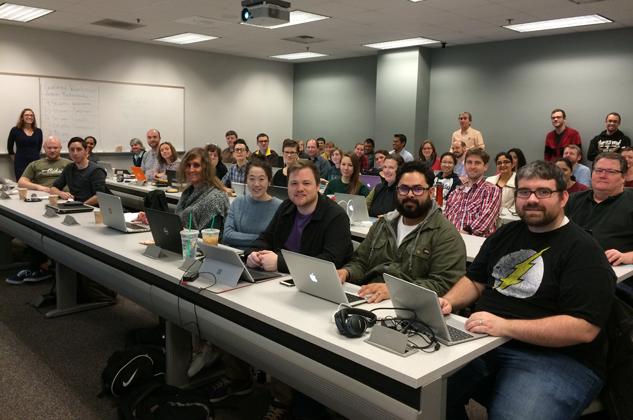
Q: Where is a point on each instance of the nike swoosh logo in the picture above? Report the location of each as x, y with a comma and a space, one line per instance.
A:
126, 383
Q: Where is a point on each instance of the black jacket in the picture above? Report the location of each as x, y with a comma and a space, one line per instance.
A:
604, 142
384, 199
327, 235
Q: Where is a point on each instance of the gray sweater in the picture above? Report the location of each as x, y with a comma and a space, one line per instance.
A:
202, 203
247, 219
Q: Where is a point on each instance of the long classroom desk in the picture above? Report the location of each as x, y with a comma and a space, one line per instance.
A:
133, 194
289, 334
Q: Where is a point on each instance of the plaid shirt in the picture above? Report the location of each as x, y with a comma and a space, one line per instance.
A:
474, 210
235, 174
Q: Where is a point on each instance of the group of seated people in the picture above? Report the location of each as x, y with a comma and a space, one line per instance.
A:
542, 281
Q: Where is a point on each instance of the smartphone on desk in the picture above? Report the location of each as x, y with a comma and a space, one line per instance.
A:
288, 283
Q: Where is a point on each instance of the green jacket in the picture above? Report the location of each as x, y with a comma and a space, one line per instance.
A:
432, 256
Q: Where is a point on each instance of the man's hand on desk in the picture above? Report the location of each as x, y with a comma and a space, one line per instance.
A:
487, 323
445, 306
374, 292
65, 195
266, 260
616, 257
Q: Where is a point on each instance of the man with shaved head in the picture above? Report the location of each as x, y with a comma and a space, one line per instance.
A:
40, 174
150, 163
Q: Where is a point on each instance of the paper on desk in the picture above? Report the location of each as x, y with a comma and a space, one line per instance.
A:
129, 217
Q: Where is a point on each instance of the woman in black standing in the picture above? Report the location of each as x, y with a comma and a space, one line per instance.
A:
25, 142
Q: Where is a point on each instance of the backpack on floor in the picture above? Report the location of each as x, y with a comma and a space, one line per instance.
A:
157, 401
131, 368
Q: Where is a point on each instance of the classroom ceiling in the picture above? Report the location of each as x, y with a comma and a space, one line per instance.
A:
352, 23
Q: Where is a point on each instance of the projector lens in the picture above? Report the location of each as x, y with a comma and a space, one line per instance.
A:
246, 14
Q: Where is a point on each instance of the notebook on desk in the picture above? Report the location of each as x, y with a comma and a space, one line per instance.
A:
424, 303
165, 228
318, 278
70, 207
114, 216
228, 268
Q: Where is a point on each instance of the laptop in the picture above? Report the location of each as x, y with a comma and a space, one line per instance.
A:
70, 207
165, 228
239, 189
279, 192
172, 177
404, 294
113, 215
318, 278
138, 173
356, 208
108, 168
370, 180
228, 268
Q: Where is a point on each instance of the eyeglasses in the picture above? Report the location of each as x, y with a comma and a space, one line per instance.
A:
240, 150
540, 193
601, 171
504, 162
416, 189
290, 153
263, 141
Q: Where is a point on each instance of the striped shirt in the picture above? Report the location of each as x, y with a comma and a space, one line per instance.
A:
474, 209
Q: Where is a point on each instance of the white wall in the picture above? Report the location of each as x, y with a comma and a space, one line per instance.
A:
222, 92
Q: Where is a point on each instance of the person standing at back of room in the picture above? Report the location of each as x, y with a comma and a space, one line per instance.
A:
25, 142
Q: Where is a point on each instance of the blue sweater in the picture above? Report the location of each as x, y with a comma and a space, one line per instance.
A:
247, 219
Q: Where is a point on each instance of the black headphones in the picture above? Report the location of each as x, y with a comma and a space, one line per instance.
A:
353, 322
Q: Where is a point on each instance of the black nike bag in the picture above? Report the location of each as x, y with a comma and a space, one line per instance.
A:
131, 368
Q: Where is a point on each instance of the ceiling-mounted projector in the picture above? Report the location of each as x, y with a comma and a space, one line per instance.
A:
265, 13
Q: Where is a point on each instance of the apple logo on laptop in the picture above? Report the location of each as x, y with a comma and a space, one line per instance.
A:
313, 278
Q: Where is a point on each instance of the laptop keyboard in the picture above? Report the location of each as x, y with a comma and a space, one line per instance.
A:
136, 226
352, 298
458, 335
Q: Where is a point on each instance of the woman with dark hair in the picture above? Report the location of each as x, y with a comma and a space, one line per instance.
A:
505, 179
214, 153
91, 142
379, 158
349, 182
428, 154
250, 214
566, 167
335, 164
518, 159
167, 160
449, 179
382, 199
25, 142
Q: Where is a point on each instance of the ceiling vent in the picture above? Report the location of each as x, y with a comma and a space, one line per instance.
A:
118, 24
304, 39
585, 1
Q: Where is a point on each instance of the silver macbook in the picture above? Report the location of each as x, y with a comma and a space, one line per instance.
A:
318, 278
404, 294
356, 208
108, 168
227, 267
113, 216
239, 189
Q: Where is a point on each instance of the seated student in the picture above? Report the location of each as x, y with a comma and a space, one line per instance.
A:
290, 150
428, 154
137, 148
349, 182
91, 142
518, 159
265, 152
627, 154
447, 177
607, 208
237, 171
308, 223
82, 177
359, 151
167, 160
204, 199
415, 242
335, 164
542, 282
566, 167
251, 213
504, 180
214, 153
379, 157
383, 198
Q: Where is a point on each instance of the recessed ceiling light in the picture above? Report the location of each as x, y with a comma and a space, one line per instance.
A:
546, 25
401, 43
20, 13
297, 17
186, 38
298, 56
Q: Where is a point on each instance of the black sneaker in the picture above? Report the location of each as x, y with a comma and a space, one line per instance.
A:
18, 278
221, 389
37, 276
276, 411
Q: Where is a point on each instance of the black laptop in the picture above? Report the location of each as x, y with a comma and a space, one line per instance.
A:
165, 228
70, 207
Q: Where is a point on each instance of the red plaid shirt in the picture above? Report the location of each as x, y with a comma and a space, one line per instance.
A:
474, 210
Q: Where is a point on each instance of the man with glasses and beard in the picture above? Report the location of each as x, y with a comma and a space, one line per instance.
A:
415, 242
544, 283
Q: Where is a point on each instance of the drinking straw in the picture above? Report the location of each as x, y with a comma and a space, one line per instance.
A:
212, 222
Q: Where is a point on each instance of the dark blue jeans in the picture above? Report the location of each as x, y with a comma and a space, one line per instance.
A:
522, 383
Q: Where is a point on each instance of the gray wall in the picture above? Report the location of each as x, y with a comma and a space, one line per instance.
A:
336, 100
221, 92
511, 87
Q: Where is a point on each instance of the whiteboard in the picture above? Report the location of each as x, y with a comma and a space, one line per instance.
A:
112, 112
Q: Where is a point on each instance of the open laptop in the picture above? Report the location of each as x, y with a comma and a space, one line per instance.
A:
228, 268
404, 294
356, 208
279, 192
318, 278
370, 180
113, 215
165, 228
239, 189
108, 168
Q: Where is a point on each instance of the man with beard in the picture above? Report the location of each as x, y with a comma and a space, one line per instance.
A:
610, 140
546, 284
458, 150
415, 242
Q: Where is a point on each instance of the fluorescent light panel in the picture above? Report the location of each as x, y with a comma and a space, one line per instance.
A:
186, 38
401, 43
297, 17
19, 13
546, 25
298, 56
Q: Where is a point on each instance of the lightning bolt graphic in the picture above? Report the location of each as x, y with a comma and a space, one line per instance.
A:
519, 270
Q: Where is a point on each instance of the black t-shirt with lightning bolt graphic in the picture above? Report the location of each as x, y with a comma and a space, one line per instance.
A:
536, 275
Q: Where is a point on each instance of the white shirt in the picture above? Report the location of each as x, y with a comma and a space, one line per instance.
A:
404, 230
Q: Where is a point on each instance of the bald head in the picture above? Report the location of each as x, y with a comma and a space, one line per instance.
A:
52, 147
153, 138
